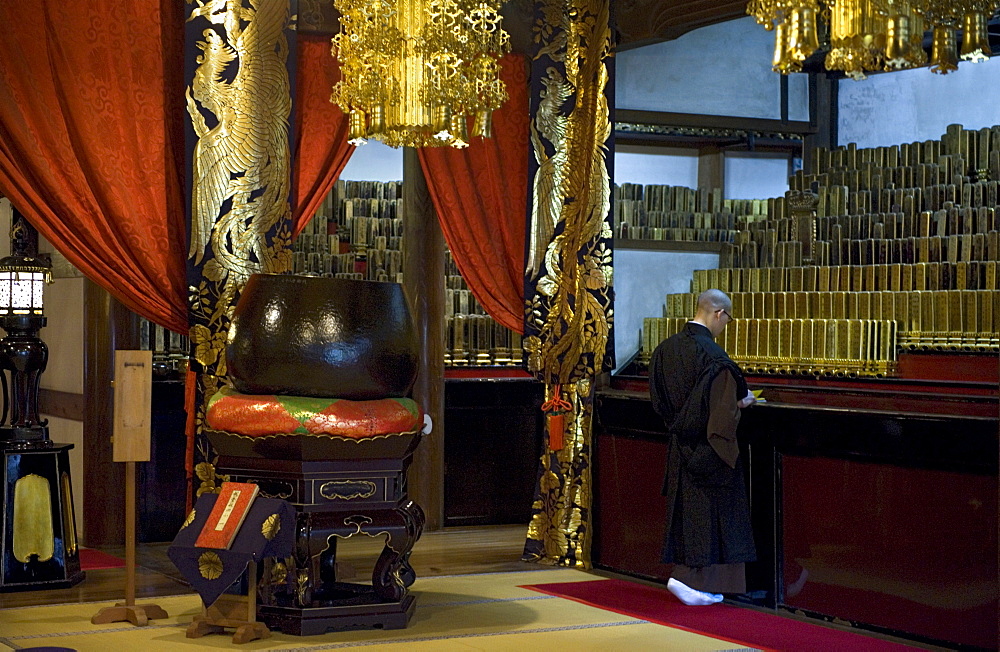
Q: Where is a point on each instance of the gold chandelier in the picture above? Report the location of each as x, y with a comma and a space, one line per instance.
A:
871, 35
414, 72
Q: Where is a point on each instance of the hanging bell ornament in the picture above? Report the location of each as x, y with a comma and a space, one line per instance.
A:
944, 51
376, 124
803, 36
459, 132
441, 122
975, 40
897, 45
356, 133
482, 124
782, 61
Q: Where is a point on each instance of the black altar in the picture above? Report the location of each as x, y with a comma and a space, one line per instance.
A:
39, 543
872, 505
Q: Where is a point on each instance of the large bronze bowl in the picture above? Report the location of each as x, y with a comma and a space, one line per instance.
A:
327, 337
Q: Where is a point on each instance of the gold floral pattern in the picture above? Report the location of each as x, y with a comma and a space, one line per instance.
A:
568, 309
569, 278
271, 527
190, 519
211, 482
210, 566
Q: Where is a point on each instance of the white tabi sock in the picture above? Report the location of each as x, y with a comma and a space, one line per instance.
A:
689, 596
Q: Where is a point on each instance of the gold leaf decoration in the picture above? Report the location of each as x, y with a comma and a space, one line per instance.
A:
569, 278
210, 566
278, 573
238, 100
189, 519
271, 527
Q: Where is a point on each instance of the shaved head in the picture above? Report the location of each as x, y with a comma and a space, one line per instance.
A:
714, 311
711, 300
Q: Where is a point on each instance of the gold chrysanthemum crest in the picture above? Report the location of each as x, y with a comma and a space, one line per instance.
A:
271, 527
209, 565
189, 519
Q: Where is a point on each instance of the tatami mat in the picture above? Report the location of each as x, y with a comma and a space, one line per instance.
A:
462, 612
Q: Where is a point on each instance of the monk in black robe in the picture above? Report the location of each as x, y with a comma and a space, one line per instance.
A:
699, 392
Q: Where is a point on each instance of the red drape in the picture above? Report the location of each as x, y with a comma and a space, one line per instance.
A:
91, 141
321, 149
480, 194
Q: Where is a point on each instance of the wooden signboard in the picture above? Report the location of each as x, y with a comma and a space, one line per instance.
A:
133, 398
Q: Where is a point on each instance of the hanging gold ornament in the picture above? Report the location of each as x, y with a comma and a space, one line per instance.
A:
783, 61
904, 37
975, 40
873, 35
944, 51
803, 37
414, 71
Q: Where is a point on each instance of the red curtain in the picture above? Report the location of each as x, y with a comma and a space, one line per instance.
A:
321, 149
91, 141
480, 194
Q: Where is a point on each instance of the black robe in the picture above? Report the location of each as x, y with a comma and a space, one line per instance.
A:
708, 514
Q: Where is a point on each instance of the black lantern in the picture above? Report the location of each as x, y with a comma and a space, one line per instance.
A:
38, 546
22, 279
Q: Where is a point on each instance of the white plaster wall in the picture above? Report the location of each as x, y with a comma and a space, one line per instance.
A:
374, 162
703, 73
64, 335
918, 105
756, 175
642, 281
656, 166
798, 96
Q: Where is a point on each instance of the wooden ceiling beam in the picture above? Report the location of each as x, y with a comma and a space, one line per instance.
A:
643, 22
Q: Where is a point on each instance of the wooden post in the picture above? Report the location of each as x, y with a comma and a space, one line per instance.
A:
712, 169
129, 534
423, 281
823, 115
108, 325
132, 418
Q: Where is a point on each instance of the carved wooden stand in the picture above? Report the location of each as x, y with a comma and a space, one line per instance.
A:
337, 499
232, 611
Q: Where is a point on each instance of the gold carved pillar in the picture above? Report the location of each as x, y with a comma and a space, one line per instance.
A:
568, 280
239, 107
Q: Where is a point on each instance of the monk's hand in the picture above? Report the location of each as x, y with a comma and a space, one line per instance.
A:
747, 400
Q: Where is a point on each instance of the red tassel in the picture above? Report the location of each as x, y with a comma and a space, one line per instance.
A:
556, 409
557, 426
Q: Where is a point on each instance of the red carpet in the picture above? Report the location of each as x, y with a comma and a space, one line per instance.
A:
743, 626
95, 560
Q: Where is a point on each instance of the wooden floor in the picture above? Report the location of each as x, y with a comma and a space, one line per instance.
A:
450, 551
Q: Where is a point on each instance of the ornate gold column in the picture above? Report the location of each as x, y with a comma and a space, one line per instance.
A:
239, 104
568, 281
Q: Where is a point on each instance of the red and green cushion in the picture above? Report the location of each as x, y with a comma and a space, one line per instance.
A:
258, 415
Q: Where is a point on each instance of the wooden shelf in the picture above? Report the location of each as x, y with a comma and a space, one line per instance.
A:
670, 245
